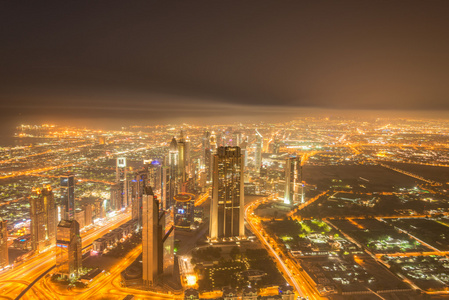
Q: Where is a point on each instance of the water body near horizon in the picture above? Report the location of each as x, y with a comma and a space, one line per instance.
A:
11, 141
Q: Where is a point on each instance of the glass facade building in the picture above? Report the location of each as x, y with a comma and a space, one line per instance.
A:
226, 214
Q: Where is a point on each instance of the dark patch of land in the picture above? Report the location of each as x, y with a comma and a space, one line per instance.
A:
372, 178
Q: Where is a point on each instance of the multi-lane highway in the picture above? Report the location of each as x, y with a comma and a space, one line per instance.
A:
13, 281
291, 271
105, 286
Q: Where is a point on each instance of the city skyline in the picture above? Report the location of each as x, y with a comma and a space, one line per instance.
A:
224, 150
361, 190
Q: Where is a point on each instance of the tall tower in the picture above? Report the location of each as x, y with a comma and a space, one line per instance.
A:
226, 210
68, 195
209, 155
236, 138
122, 182
43, 218
138, 187
154, 174
173, 160
205, 144
4, 260
68, 249
157, 239
184, 158
150, 234
165, 188
208, 163
213, 142
293, 180
115, 198
258, 151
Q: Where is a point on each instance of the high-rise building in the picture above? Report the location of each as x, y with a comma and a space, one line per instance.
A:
226, 210
67, 188
79, 217
60, 212
258, 151
183, 210
43, 218
88, 214
99, 209
293, 180
138, 187
205, 144
213, 142
208, 163
68, 249
115, 198
157, 239
165, 188
173, 160
154, 174
183, 158
122, 182
150, 234
236, 138
4, 259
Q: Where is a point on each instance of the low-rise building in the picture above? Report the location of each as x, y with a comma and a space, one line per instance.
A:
191, 294
23, 242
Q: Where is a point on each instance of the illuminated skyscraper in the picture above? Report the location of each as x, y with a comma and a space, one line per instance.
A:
226, 210
4, 260
293, 180
154, 174
122, 182
183, 158
236, 138
157, 239
209, 156
150, 235
258, 151
205, 144
165, 187
183, 210
115, 198
88, 214
208, 163
213, 142
138, 188
173, 160
68, 249
67, 189
43, 218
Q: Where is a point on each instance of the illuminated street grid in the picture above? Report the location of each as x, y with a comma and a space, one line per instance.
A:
378, 237
368, 187
429, 273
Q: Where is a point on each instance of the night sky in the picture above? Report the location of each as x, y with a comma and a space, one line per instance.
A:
139, 60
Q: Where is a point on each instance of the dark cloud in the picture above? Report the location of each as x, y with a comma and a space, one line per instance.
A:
111, 58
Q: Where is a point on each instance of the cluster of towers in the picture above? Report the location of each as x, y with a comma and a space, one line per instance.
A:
155, 213
157, 217
46, 232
